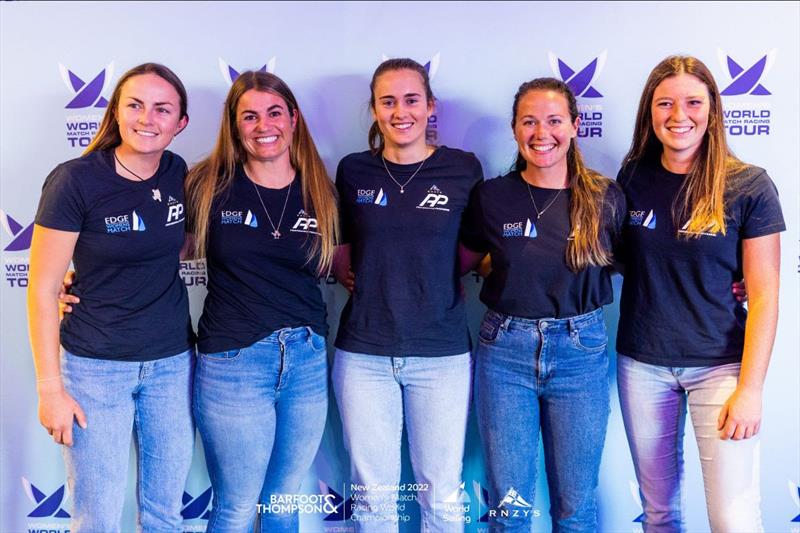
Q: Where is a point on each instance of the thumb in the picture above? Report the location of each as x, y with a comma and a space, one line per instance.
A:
723, 416
80, 416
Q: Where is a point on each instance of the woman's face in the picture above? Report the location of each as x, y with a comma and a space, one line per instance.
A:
401, 108
543, 129
679, 111
265, 125
148, 114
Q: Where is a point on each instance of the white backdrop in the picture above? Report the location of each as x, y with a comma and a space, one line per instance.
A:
59, 61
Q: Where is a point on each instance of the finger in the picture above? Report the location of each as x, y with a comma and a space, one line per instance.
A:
728, 430
57, 437
80, 416
741, 431
748, 432
757, 429
66, 436
723, 416
68, 298
65, 308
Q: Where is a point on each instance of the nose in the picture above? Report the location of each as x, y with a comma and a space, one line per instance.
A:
678, 113
146, 116
540, 130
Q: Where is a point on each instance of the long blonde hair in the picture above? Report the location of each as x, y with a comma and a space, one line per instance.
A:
108, 135
214, 174
588, 187
702, 194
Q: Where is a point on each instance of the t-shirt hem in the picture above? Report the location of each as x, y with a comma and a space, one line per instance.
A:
683, 361
395, 351
137, 358
209, 346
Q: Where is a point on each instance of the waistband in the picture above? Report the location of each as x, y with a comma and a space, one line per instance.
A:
566, 324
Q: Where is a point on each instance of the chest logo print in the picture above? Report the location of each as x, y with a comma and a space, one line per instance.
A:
435, 199
642, 218
305, 223
123, 223
368, 196
520, 229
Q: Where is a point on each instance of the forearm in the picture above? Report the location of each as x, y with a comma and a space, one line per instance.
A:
762, 320
43, 327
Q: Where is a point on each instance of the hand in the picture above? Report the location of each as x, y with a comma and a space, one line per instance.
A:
740, 416
348, 280
739, 291
64, 296
56, 411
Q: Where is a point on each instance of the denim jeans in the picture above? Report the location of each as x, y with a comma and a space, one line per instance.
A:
549, 374
653, 400
151, 399
261, 412
376, 395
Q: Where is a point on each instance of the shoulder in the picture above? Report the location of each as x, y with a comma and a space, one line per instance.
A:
353, 165
457, 156
747, 177
72, 172
173, 163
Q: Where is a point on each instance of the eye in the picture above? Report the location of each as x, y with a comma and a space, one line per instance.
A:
163, 110
388, 103
665, 105
248, 117
695, 102
275, 114
527, 122
412, 101
134, 105
555, 121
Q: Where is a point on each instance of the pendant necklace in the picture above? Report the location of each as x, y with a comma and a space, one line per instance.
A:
403, 186
276, 234
546, 207
156, 192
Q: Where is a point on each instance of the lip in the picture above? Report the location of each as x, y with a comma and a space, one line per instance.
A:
542, 148
679, 130
402, 126
266, 139
145, 133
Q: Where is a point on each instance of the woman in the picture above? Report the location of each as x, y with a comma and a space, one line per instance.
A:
403, 346
263, 212
127, 360
698, 218
549, 226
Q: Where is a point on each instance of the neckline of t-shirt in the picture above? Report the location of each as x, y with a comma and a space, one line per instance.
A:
536, 187
243, 175
411, 167
108, 159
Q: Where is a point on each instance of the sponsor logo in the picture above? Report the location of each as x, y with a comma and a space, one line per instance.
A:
513, 499
520, 229
46, 506
342, 510
687, 232
299, 503
646, 219
752, 116
514, 505
746, 81
174, 212
193, 273
580, 82
239, 217
20, 235
229, 74
194, 508
305, 223
81, 128
123, 223
368, 196
435, 199
794, 491
636, 498
483, 500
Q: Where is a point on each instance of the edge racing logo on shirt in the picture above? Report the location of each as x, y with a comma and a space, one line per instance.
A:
642, 218
123, 223
174, 212
368, 196
434, 200
520, 229
305, 223
238, 217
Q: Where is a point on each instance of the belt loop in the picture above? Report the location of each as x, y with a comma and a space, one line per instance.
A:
572, 328
506, 322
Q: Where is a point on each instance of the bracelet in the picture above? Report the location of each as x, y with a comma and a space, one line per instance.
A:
51, 378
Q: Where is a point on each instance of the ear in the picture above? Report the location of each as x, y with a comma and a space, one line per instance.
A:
182, 123
294, 119
431, 107
575, 126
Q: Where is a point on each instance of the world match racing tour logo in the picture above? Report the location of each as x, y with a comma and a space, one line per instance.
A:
15, 266
751, 116
581, 82
81, 128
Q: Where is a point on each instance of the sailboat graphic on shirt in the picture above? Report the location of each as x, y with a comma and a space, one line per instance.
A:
251, 220
138, 223
381, 198
650, 220
530, 229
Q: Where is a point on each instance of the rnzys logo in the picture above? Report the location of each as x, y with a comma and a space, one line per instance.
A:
520, 229
87, 94
305, 223
174, 212
368, 196
46, 506
123, 223
746, 81
581, 81
229, 74
435, 199
645, 219
20, 235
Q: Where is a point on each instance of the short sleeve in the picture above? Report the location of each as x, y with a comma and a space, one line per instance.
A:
761, 209
346, 230
472, 233
62, 205
617, 211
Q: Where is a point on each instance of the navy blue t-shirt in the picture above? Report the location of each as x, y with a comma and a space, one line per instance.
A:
407, 299
677, 308
258, 284
530, 277
134, 305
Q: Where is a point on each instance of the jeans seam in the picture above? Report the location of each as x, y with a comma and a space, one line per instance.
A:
139, 464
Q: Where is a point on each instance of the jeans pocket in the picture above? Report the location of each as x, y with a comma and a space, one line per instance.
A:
317, 341
490, 327
591, 338
228, 355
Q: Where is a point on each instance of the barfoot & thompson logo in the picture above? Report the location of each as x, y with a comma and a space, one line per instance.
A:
752, 116
581, 82
80, 128
229, 74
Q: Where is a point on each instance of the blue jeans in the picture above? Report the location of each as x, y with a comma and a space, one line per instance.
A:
653, 400
376, 395
151, 399
549, 374
261, 411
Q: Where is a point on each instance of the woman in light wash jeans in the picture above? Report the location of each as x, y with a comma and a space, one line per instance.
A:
698, 218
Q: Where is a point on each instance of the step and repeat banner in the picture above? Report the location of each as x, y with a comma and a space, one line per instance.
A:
60, 61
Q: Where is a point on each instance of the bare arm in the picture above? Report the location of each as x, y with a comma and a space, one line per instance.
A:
51, 251
740, 417
469, 260
342, 267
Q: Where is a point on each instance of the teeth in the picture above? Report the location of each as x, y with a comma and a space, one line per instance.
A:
403, 126
267, 140
546, 148
682, 129
146, 133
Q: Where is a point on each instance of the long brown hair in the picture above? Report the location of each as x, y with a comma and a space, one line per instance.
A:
375, 137
214, 174
701, 196
107, 135
588, 187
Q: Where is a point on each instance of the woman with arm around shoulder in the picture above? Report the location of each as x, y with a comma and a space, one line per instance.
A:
402, 355
263, 212
125, 360
541, 363
698, 219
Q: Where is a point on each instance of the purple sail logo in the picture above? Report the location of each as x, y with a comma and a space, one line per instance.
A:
87, 94
46, 506
20, 235
229, 74
746, 81
579, 81
431, 66
196, 508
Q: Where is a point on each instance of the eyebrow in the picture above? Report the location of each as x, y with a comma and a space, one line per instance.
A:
141, 102
404, 96
270, 108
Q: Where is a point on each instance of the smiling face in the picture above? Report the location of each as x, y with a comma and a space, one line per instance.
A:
543, 129
148, 114
401, 108
680, 111
265, 125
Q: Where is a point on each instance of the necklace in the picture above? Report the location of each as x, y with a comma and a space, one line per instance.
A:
403, 186
276, 234
156, 192
546, 207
